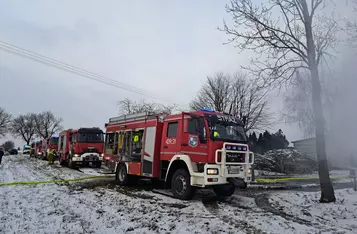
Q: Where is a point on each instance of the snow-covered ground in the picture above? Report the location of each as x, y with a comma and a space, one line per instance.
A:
333, 174
99, 206
338, 217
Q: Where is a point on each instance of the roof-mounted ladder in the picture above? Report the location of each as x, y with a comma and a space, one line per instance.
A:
132, 117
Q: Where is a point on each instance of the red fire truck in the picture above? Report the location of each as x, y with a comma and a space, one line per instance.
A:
83, 146
47, 145
187, 150
36, 149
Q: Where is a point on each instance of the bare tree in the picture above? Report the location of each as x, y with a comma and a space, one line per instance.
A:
296, 39
351, 26
128, 106
215, 93
235, 95
298, 103
47, 124
8, 145
5, 119
24, 127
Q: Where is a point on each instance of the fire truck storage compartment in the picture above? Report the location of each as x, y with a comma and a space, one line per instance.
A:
134, 168
135, 139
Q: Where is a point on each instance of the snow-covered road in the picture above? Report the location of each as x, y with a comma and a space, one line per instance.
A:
99, 206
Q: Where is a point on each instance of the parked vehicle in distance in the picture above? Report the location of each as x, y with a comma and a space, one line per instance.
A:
26, 149
36, 149
81, 147
13, 152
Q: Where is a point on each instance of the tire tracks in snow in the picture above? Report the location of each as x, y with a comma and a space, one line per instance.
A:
212, 205
262, 201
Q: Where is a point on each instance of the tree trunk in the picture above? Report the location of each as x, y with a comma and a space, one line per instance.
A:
327, 192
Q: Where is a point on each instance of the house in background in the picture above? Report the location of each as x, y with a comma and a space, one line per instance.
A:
306, 146
335, 156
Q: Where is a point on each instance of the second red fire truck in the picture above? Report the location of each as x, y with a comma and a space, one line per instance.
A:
47, 145
188, 150
83, 146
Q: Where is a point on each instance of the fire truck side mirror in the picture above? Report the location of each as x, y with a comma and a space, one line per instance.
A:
201, 132
244, 119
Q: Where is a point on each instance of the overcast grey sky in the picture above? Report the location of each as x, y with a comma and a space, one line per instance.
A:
164, 47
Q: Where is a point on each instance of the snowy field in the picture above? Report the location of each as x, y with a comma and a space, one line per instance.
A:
340, 216
100, 206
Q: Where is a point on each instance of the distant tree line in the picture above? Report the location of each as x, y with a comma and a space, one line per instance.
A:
267, 141
30, 125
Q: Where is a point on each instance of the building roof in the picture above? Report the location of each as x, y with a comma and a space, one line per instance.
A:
307, 139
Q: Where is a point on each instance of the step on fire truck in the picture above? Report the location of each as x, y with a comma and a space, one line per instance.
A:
47, 145
83, 146
187, 150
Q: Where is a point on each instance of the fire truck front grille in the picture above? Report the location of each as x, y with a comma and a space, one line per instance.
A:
235, 157
89, 150
91, 158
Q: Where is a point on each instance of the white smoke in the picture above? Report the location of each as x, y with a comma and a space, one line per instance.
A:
342, 115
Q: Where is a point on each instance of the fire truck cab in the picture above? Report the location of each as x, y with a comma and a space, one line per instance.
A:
187, 150
83, 146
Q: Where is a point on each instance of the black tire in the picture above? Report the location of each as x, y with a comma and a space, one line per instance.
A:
98, 165
181, 185
224, 190
71, 164
121, 175
61, 161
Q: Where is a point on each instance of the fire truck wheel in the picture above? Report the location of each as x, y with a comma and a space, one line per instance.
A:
71, 164
61, 161
121, 175
98, 165
224, 190
181, 186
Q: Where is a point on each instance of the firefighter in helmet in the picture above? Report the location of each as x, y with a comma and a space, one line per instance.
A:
51, 156
137, 142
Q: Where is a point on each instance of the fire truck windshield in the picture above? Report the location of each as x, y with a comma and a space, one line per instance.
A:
90, 137
54, 141
226, 128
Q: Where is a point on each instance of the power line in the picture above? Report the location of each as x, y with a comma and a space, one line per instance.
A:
9, 48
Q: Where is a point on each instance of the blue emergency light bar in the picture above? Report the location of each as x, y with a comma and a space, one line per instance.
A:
206, 109
238, 148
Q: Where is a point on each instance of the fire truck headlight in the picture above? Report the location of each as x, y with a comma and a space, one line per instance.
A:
75, 155
212, 171
249, 171
102, 155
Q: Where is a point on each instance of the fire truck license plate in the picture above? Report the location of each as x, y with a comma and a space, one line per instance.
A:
233, 170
